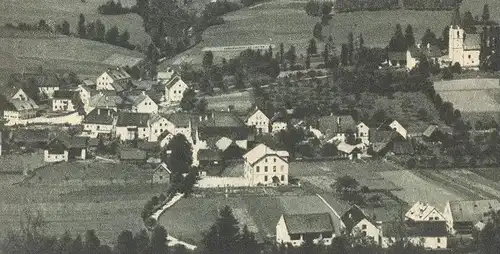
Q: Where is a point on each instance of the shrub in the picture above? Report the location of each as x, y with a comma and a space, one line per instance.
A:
162, 198
365, 189
150, 222
447, 75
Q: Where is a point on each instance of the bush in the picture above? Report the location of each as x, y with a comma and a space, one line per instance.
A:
456, 68
150, 222
365, 189
162, 198
447, 75
112, 8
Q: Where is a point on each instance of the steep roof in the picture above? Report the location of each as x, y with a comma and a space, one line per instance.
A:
220, 119
472, 210
180, 119
419, 211
64, 94
209, 155
346, 148
71, 142
472, 42
135, 99
118, 74
261, 151
30, 135
100, 116
255, 110
173, 81
396, 56
336, 124
106, 99
132, 119
9, 90
21, 105
163, 168
223, 143
353, 216
308, 223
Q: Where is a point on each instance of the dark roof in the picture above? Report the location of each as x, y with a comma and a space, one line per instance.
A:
9, 90
28, 135
472, 210
221, 119
132, 154
403, 147
64, 94
209, 155
308, 223
254, 110
396, 56
70, 142
132, 119
93, 142
336, 124
472, 42
45, 79
427, 229
353, 216
100, 116
146, 145
279, 117
173, 81
180, 119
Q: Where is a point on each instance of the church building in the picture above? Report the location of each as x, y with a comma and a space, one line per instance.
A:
464, 48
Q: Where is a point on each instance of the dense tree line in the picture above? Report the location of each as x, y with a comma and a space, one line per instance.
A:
433, 5
318, 8
96, 31
113, 8
359, 5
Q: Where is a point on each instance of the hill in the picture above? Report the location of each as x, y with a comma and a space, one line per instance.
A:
28, 51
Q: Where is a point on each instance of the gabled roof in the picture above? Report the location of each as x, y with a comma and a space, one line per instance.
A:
135, 100
255, 110
132, 119
472, 42
396, 56
472, 210
100, 116
223, 143
132, 154
353, 216
420, 211
30, 135
209, 155
118, 74
181, 119
336, 124
21, 105
144, 85
174, 80
163, 168
70, 142
106, 99
261, 151
430, 130
9, 90
308, 223
346, 148
164, 134
64, 94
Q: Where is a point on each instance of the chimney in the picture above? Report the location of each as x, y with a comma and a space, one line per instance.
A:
428, 45
143, 92
109, 112
201, 118
338, 121
99, 111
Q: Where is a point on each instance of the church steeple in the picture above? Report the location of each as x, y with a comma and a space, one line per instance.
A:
456, 20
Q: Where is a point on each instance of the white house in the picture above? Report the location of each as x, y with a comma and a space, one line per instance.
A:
363, 133
18, 104
141, 103
358, 223
63, 100
174, 89
182, 123
259, 120
398, 127
105, 99
64, 148
159, 125
294, 229
132, 126
165, 138
463, 48
113, 79
428, 234
85, 93
462, 216
99, 121
421, 211
266, 166
279, 122
165, 76
337, 127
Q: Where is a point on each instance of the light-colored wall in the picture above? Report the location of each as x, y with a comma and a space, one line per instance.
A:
124, 134
48, 91
279, 126
62, 105
282, 232
164, 142
430, 242
471, 58
275, 167
95, 129
448, 217
456, 45
371, 230
146, 106
175, 93
20, 95
55, 157
363, 133
411, 62
158, 127
260, 121
399, 128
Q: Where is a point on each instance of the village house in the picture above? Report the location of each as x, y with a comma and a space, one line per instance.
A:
165, 138
279, 122
85, 94
382, 142
259, 120
431, 235
116, 79
174, 89
183, 124
363, 133
140, 103
265, 166
161, 174
63, 100
133, 155
337, 128
105, 100
64, 148
159, 125
45, 82
422, 211
397, 126
16, 104
209, 158
294, 229
358, 223
411, 58
99, 121
462, 216
132, 126
349, 151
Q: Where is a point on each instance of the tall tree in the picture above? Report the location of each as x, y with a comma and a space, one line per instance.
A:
429, 38
409, 36
248, 243
92, 242
468, 22
291, 55
188, 101
142, 242
350, 48
181, 155
82, 30
77, 246
208, 59
123, 39
126, 243
159, 240
398, 41
223, 237
361, 41
344, 55
112, 36
100, 31
65, 28
318, 31
486, 13
312, 49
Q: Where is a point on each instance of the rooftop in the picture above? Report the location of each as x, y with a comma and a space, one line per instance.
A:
64, 94
308, 223
118, 74
100, 116
472, 210
261, 151
419, 211
353, 216
132, 119
336, 124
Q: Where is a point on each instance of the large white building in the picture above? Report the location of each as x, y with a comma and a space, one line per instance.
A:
463, 215
99, 121
113, 79
63, 100
174, 89
294, 229
463, 48
266, 166
259, 120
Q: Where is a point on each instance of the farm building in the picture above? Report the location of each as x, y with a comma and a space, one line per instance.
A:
430, 235
462, 216
296, 228
161, 174
132, 126
174, 89
358, 223
16, 104
266, 166
64, 148
258, 119
116, 79
99, 121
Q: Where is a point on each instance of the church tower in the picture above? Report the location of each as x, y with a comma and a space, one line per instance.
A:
456, 44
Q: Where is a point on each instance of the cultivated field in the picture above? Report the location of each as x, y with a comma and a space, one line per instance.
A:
66, 204
241, 101
57, 53
261, 213
55, 11
18, 163
476, 7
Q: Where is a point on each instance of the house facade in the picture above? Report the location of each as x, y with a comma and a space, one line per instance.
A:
132, 126
113, 79
99, 121
259, 120
141, 103
266, 166
463, 48
462, 216
159, 125
62, 100
174, 89
359, 224
363, 133
17, 104
398, 127
296, 228
161, 174
337, 127
65, 148
422, 211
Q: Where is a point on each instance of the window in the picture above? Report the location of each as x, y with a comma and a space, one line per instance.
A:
274, 168
282, 178
265, 168
257, 169
161, 177
363, 226
282, 168
265, 178
439, 240
294, 237
274, 160
469, 56
266, 160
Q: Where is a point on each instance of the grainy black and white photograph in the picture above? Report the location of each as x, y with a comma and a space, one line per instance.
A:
249, 126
